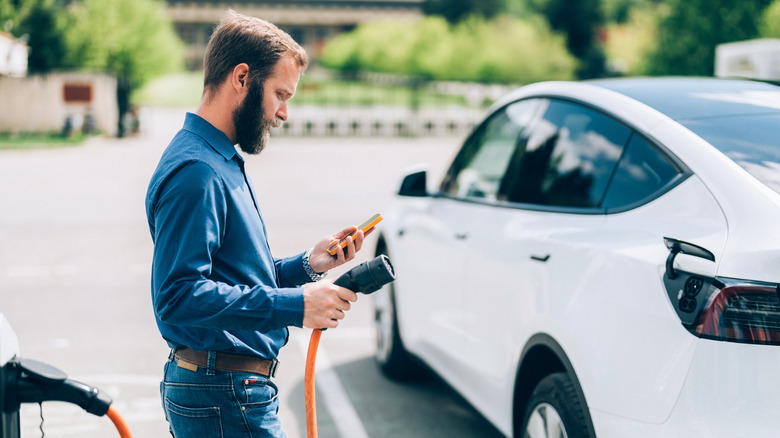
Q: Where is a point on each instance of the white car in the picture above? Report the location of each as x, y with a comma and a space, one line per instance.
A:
601, 259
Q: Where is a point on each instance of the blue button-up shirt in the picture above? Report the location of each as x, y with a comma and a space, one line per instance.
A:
215, 284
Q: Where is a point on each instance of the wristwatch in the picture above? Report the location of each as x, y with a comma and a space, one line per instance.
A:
307, 267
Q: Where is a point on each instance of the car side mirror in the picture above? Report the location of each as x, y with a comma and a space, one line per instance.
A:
414, 184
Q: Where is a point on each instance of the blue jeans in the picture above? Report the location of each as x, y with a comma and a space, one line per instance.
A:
211, 403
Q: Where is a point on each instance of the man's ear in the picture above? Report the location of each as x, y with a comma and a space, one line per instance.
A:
240, 77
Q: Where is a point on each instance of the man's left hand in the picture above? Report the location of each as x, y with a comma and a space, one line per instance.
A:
320, 259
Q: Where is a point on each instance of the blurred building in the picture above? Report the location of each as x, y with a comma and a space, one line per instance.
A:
754, 59
310, 22
13, 56
67, 102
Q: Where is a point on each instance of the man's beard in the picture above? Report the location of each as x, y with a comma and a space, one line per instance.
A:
252, 131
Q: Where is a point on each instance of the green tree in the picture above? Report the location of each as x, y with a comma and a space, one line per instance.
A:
502, 50
619, 11
770, 21
456, 10
7, 15
628, 43
581, 21
519, 8
690, 29
41, 23
132, 39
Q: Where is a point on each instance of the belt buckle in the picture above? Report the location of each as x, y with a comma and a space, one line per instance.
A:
274, 367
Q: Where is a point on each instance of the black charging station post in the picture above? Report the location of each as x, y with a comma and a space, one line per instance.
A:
9, 418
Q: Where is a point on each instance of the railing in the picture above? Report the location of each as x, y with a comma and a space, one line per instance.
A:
386, 105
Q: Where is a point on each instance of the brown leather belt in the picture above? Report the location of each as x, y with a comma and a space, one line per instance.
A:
228, 362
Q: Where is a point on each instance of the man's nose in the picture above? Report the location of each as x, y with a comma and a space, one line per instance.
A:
282, 112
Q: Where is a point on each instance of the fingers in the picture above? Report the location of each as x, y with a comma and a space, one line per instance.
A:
325, 304
359, 238
345, 232
346, 295
353, 245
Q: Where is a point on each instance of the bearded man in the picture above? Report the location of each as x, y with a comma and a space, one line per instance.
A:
221, 300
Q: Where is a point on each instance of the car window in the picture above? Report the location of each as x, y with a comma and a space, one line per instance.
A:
568, 158
642, 171
479, 166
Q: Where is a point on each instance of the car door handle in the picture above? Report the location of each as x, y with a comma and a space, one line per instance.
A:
461, 236
542, 259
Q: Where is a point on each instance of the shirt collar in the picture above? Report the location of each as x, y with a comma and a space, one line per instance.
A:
213, 136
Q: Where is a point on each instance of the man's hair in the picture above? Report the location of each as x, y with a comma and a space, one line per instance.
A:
239, 38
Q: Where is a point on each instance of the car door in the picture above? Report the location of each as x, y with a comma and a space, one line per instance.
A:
525, 256
640, 345
442, 232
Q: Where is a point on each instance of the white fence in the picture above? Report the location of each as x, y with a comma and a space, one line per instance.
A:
45, 103
382, 121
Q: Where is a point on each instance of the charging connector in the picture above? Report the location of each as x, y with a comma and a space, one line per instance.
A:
366, 278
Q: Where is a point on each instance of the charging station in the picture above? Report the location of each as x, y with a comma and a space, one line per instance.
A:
30, 381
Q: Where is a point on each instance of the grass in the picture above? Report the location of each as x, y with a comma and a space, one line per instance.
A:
177, 90
39, 141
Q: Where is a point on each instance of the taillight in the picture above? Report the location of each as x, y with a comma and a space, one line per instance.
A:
747, 313
726, 309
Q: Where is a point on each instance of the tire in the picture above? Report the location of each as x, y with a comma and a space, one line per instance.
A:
392, 357
555, 410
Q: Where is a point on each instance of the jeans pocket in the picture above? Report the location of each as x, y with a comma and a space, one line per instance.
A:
192, 422
261, 408
258, 393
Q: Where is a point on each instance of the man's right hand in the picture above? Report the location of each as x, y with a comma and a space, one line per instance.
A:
324, 304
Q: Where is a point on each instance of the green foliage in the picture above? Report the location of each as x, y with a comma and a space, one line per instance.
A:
581, 21
7, 15
770, 21
619, 11
41, 23
690, 29
504, 50
133, 39
628, 43
519, 8
456, 10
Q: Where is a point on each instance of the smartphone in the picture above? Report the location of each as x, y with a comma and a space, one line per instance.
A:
365, 226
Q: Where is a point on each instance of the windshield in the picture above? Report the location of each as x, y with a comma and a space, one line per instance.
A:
752, 141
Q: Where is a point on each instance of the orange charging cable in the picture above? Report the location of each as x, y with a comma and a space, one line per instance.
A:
119, 423
308, 384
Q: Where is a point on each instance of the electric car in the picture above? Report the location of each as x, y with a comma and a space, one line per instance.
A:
600, 259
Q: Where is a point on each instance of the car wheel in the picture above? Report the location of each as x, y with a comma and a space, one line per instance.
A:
554, 410
391, 355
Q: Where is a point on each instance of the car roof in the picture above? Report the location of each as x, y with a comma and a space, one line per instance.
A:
695, 98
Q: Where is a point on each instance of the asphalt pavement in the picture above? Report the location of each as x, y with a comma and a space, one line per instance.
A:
75, 257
